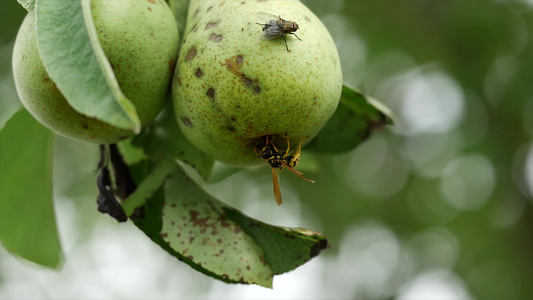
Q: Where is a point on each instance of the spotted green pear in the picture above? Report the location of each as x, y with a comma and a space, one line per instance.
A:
237, 84
140, 40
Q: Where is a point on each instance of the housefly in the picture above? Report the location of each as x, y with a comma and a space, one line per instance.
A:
274, 27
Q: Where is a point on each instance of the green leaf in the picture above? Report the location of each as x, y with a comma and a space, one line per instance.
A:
131, 153
221, 171
27, 219
220, 241
75, 61
356, 117
164, 138
285, 248
149, 186
195, 226
28, 5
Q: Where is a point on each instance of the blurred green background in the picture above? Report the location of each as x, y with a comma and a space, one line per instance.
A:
437, 207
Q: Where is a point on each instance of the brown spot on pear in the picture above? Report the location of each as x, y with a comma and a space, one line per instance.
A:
261, 89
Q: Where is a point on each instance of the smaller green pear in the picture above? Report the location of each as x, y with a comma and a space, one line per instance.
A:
140, 40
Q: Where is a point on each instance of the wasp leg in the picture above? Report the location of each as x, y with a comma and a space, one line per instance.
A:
274, 146
275, 182
288, 146
297, 153
300, 174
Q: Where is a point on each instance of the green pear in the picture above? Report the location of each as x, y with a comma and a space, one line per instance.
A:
236, 83
140, 40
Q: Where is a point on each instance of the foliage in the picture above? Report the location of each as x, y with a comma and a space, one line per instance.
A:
27, 215
410, 208
167, 204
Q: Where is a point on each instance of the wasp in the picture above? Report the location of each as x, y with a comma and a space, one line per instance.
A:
278, 160
274, 27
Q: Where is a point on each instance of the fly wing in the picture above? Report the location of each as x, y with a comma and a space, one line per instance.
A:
271, 32
266, 17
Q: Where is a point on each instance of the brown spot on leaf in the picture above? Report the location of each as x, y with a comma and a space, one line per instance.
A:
191, 54
178, 79
151, 1
163, 234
